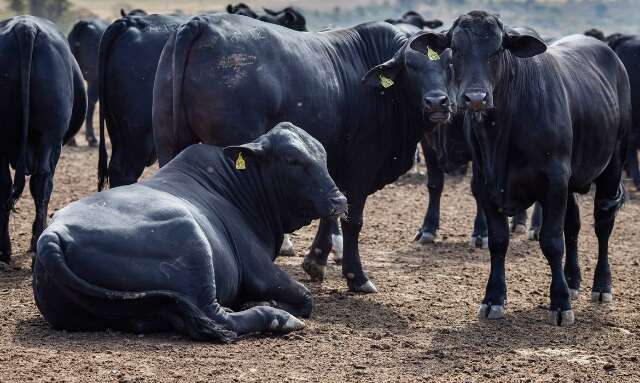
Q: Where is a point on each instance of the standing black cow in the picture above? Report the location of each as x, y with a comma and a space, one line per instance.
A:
288, 17
542, 124
84, 41
200, 235
43, 105
627, 47
225, 79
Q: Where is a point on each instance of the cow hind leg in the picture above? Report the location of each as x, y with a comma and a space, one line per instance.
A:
571, 230
41, 187
536, 222
609, 197
92, 94
315, 263
519, 223
435, 183
5, 210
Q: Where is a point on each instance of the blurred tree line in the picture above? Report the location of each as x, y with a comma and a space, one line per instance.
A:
51, 9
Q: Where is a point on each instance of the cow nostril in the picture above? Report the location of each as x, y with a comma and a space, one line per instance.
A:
444, 101
475, 100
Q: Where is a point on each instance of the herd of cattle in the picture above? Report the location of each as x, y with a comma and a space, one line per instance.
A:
280, 114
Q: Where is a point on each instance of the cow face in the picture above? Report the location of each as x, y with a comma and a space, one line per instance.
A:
483, 50
297, 164
423, 75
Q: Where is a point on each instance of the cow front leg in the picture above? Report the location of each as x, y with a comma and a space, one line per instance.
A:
269, 285
5, 211
315, 263
92, 95
492, 306
287, 250
554, 207
357, 280
480, 235
435, 183
571, 231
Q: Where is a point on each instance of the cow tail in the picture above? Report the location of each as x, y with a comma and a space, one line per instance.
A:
109, 36
25, 35
185, 36
50, 258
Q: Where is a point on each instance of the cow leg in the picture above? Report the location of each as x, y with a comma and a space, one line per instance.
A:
435, 183
552, 244
41, 187
286, 249
480, 236
92, 94
632, 157
315, 263
536, 222
492, 306
571, 231
519, 223
351, 265
609, 197
270, 286
336, 241
5, 210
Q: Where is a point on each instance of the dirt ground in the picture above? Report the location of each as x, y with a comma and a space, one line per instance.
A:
420, 327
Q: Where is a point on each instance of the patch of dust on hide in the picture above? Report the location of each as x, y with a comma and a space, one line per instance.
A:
233, 68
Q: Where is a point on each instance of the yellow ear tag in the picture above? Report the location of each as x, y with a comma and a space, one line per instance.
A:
386, 82
432, 55
240, 164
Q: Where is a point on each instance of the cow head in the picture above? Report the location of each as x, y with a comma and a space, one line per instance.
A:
241, 9
416, 19
596, 34
423, 75
297, 165
288, 17
483, 49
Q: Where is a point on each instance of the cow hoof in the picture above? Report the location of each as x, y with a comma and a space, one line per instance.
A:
426, 238
4, 266
479, 242
367, 288
292, 324
490, 311
519, 229
286, 249
93, 143
598, 297
72, 142
575, 294
315, 270
534, 235
336, 243
561, 318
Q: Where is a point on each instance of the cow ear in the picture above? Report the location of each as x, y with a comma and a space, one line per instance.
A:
256, 148
229, 8
270, 11
523, 42
383, 75
432, 24
424, 41
123, 13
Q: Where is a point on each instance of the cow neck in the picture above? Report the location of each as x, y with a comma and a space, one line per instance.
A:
379, 119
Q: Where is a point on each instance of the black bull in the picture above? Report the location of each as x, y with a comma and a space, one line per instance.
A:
542, 124
42, 104
199, 236
225, 79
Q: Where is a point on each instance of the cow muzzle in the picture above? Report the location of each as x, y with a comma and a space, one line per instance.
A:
338, 206
437, 109
476, 103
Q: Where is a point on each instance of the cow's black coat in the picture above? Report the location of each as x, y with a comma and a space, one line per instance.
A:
234, 77
577, 112
42, 105
170, 252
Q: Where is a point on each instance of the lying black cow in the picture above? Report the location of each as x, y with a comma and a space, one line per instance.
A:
84, 41
627, 47
288, 17
43, 104
234, 90
201, 235
543, 123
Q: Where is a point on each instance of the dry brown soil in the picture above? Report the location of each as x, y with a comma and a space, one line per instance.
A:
420, 327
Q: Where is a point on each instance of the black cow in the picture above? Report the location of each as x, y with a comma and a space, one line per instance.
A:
542, 123
201, 235
43, 104
129, 55
415, 19
84, 41
627, 47
256, 73
288, 17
